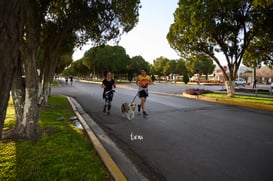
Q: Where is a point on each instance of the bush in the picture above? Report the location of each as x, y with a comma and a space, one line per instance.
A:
186, 78
197, 91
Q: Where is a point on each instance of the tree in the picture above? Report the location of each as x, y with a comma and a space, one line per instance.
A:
98, 21
10, 32
212, 26
159, 64
72, 23
64, 61
180, 67
106, 57
260, 50
136, 64
79, 69
170, 67
185, 78
200, 64
25, 90
253, 58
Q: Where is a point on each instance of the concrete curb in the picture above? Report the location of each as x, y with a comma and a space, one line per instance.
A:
243, 104
104, 155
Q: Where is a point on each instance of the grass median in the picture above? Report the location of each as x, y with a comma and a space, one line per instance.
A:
242, 98
62, 153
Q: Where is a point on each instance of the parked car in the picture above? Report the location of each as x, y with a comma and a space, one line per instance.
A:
240, 81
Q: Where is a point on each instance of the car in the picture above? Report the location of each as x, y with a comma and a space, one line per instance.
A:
240, 81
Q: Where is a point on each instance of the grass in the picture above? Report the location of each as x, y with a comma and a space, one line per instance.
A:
62, 153
242, 98
54, 83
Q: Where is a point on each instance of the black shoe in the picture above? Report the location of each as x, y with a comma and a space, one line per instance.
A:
144, 113
104, 109
138, 107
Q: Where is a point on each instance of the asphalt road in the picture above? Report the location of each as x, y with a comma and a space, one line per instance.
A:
184, 139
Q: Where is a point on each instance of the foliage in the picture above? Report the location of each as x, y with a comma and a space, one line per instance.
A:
62, 153
136, 64
77, 68
64, 60
180, 67
197, 91
186, 78
163, 66
242, 98
69, 23
201, 64
211, 26
98, 21
54, 27
260, 51
106, 57
169, 68
158, 66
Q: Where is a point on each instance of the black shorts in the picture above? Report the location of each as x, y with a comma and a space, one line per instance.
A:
143, 93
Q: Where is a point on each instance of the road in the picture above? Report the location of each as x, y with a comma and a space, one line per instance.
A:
184, 139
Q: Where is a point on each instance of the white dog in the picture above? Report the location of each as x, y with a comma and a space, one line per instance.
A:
128, 110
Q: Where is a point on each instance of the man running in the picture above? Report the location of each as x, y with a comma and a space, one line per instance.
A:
143, 80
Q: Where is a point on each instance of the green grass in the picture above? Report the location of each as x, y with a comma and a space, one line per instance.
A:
242, 98
62, 153
54, 83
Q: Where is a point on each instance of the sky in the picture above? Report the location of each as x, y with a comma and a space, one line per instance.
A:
148, 38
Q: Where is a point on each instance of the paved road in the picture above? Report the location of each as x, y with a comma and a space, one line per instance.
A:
184, 139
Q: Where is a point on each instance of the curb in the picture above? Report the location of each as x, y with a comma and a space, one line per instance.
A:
114, 170
236, 103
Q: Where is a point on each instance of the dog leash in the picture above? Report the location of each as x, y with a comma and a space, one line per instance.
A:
135, 97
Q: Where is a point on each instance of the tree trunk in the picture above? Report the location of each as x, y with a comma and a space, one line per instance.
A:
48, 75
230, 88
18, 95
28, 127
10, 38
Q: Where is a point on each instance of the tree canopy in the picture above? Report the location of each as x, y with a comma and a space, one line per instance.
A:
213, 26
201, 64
159, 65
106, 57
50, 30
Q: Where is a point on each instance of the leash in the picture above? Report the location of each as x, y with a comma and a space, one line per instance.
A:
135, 97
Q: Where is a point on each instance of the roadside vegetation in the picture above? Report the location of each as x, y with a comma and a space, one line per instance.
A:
61, 153
242, 98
